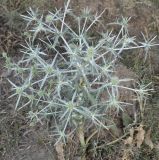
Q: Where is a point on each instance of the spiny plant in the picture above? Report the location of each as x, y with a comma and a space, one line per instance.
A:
63, 72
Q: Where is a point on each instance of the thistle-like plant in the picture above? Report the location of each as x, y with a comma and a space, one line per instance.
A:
69, 85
